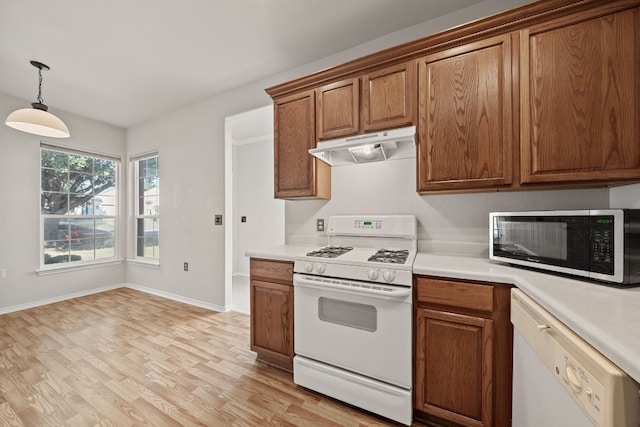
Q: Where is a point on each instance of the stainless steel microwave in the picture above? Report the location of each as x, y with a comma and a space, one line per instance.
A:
597, 244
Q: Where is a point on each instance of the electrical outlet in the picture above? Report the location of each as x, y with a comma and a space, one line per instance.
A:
320, 224
3, 273
186, 266
218, 220
243, 219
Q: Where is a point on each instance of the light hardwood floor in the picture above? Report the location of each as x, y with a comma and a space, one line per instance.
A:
127, 358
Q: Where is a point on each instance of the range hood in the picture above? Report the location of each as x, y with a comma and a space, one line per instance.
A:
372, 147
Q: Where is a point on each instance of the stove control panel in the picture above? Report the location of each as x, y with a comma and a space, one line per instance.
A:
363, 224
365, 274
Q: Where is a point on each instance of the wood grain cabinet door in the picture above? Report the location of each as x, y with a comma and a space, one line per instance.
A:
389, 97
453, 377
466, 117
272, 322
297, 174
580, 88
338, 109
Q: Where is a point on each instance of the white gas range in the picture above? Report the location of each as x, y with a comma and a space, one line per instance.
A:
353, 314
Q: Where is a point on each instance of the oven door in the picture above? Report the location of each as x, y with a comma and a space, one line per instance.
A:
361, 327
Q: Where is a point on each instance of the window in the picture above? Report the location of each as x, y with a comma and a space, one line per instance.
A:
147, 206
78, 206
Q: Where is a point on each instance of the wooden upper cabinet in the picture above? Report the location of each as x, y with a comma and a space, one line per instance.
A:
466, 117
338, 109
581, 97
297, 173
389, 97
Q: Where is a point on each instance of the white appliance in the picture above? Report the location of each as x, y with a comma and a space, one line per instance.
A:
561, 381
353, 311
390, 144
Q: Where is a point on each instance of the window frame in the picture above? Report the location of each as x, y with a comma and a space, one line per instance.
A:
134, 168
42, 217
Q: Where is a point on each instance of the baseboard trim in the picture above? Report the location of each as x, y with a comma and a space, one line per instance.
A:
60, 298
179, 298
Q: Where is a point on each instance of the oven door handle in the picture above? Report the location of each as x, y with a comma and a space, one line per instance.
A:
351, 287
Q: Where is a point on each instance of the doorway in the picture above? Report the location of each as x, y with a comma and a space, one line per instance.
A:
255, 220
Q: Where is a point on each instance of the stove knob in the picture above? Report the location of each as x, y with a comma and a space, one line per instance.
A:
308, 267
320, 268
388, 276
372, 274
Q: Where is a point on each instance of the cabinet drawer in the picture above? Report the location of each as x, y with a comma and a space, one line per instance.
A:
279, 271
454, 293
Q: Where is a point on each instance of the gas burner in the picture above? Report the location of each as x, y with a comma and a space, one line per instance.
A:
390, 256
330, 251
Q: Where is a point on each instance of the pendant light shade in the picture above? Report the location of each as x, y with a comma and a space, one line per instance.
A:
38, 120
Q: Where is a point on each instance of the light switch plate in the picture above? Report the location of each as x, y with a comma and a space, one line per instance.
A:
3, 273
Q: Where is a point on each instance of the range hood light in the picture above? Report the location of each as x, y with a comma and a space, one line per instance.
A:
373, 147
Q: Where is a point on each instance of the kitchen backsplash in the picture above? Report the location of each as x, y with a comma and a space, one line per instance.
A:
452, 223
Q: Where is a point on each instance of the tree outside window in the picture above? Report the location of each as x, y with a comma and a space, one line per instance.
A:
78, 206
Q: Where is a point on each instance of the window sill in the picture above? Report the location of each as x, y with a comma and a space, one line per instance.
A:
67, 268
144, 263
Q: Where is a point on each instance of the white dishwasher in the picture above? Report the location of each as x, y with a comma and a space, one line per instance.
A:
561, 381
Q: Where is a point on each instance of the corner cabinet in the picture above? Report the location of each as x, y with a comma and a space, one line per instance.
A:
581, 96
271, 294
297, 174
466, 122
463, 352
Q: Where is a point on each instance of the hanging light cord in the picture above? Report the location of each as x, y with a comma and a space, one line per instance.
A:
40, 100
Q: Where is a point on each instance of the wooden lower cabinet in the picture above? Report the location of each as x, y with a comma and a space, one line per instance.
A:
271, 293
463, 353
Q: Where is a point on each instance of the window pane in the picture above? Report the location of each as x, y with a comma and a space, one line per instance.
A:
80, 163
55, 160
149, 167
54, 203
105, 205
80, 204
55, 231
54, 180
105, 170
81, 183
148, 237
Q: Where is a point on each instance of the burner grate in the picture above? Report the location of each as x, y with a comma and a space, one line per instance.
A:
390, 256
330, 251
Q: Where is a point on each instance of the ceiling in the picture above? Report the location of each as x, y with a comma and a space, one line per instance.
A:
125, 61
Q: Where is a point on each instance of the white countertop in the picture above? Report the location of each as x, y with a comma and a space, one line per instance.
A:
607, 317
281, 253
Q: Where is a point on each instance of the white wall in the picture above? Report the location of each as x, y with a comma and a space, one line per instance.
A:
19, 210
627, 196
253, 198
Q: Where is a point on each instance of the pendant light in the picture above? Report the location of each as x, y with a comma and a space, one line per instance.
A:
38, 120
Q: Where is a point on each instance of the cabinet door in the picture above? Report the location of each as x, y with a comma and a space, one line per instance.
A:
272, 322
297, 173
580, 88
466, 117
389, 97
453, 376
338, 109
